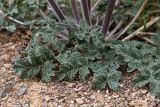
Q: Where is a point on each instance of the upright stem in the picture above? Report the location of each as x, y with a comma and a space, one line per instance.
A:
89, 5
57, 10
75, 10
108, 16
85, 10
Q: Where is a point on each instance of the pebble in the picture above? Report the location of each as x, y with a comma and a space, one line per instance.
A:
107, 92
122, 104
22, 90
13, 59
72, 102
9, 85
26, 105
17, 104
85, 93
47, 98
143, 91
86, 105
79, 101
93, 97
70, 85
2, 93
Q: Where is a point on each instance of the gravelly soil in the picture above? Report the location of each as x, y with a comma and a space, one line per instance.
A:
33, 93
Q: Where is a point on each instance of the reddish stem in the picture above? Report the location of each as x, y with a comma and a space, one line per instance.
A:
108, 16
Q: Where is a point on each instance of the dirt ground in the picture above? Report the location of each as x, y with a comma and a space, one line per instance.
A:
33, 93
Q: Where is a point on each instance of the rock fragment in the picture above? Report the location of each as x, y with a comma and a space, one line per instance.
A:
79, 101
22, 90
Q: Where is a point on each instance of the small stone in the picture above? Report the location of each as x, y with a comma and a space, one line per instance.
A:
26, 105
13, 60
79, 101
143, 91
9, 94
5, 57
22, 90
17, 104
115, 96
107, 92
122, 104
9, 85
2, 93
47, 98
72, 102
85, 93
71, 105
70, 85
98, 91
93, 97
85, 105
121, 85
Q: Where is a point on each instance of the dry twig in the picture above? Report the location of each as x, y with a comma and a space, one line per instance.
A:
114, 30
95, 5
150, 23
11, 18
145, 34
147, 40
134, 19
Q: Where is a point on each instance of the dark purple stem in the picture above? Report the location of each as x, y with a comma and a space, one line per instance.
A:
89, 6
108, 16
57, 9
75, 10
86, 11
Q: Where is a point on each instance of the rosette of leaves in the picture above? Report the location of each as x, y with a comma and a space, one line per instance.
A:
144, 58
82, 55
37, 62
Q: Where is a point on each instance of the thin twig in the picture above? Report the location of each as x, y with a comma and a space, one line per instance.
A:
117, 2
150, 23
11, 19
114, 30
97, 20
147, 40
145, 34
134, 19
95, 5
